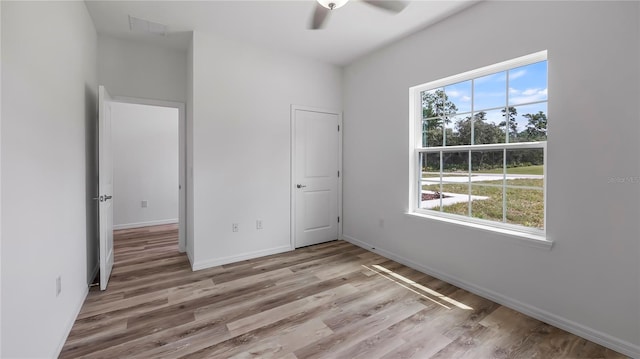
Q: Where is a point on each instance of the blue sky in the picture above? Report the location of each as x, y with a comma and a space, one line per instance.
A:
526, 84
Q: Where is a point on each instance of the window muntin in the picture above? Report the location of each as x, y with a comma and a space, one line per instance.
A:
480, 145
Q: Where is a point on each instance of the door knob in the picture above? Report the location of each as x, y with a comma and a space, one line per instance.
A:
301, 186
107, 197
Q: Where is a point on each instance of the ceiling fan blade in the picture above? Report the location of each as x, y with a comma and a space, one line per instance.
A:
389, 5
320, 15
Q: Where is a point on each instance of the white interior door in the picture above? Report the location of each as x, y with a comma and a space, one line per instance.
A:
105, 185
315, 176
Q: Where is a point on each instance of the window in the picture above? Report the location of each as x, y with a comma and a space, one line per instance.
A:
479, 145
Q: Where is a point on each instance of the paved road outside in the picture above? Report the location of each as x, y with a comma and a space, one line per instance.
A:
464, 197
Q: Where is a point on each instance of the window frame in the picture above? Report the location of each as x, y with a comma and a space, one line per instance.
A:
416, 149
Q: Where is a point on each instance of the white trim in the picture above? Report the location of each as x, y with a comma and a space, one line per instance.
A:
483, 71
530, 239
340, 123
416, 149
0, 177
484, 147
570, 326
415, 170
292, 192
182, 155
240, 257
146, 224
70, 322
292, 165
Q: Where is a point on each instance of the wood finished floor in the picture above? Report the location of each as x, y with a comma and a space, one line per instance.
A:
332, 300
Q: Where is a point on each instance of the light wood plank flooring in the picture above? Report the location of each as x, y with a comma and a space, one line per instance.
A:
332, 300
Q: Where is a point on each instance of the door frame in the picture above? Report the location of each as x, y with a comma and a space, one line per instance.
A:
182, 159
292, 190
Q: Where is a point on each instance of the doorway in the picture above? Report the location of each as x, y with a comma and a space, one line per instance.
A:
316, 161
149, 144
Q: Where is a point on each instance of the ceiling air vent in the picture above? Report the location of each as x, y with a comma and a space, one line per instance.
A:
144, 26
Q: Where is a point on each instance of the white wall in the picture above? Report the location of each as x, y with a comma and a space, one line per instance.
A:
145, 165
137, 69
49, 83
242, 97
589, 281
0, 177
189, 150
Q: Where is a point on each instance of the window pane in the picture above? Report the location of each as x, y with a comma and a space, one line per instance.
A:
532, 122
487, 165
525, 164
525, 207
455, 163
435, 104
487, 200
460, 128
432, 133
459, 95
430, 165
528, 83
509, 123
488, 127
455, 179
430, 180
486, 188
490, 91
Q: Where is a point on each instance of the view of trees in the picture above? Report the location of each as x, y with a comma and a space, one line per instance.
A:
440, 129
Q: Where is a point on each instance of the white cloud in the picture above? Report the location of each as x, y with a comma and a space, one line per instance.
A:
466, 98
497, 77
530, 95
517, 74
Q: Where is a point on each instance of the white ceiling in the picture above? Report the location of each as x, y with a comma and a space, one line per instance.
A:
350, 32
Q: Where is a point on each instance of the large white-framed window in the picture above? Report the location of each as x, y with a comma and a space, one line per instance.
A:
479, 146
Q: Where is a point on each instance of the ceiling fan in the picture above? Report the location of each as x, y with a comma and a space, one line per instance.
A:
324, 7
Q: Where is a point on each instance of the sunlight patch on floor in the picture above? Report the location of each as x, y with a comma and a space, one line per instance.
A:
400, 279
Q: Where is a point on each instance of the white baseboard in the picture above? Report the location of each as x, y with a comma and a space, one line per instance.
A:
241, 257
145, 224
570, 326
71, 321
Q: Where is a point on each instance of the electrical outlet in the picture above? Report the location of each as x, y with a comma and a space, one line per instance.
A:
259, 224
144, 204
234, 227
58, 285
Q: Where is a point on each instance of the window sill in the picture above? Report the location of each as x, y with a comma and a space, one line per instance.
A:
528, 239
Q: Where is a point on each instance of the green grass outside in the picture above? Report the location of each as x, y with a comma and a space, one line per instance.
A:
524, 206
527, 170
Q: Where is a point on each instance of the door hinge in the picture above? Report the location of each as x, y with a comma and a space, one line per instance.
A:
338, 219
338, 173
338, 128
